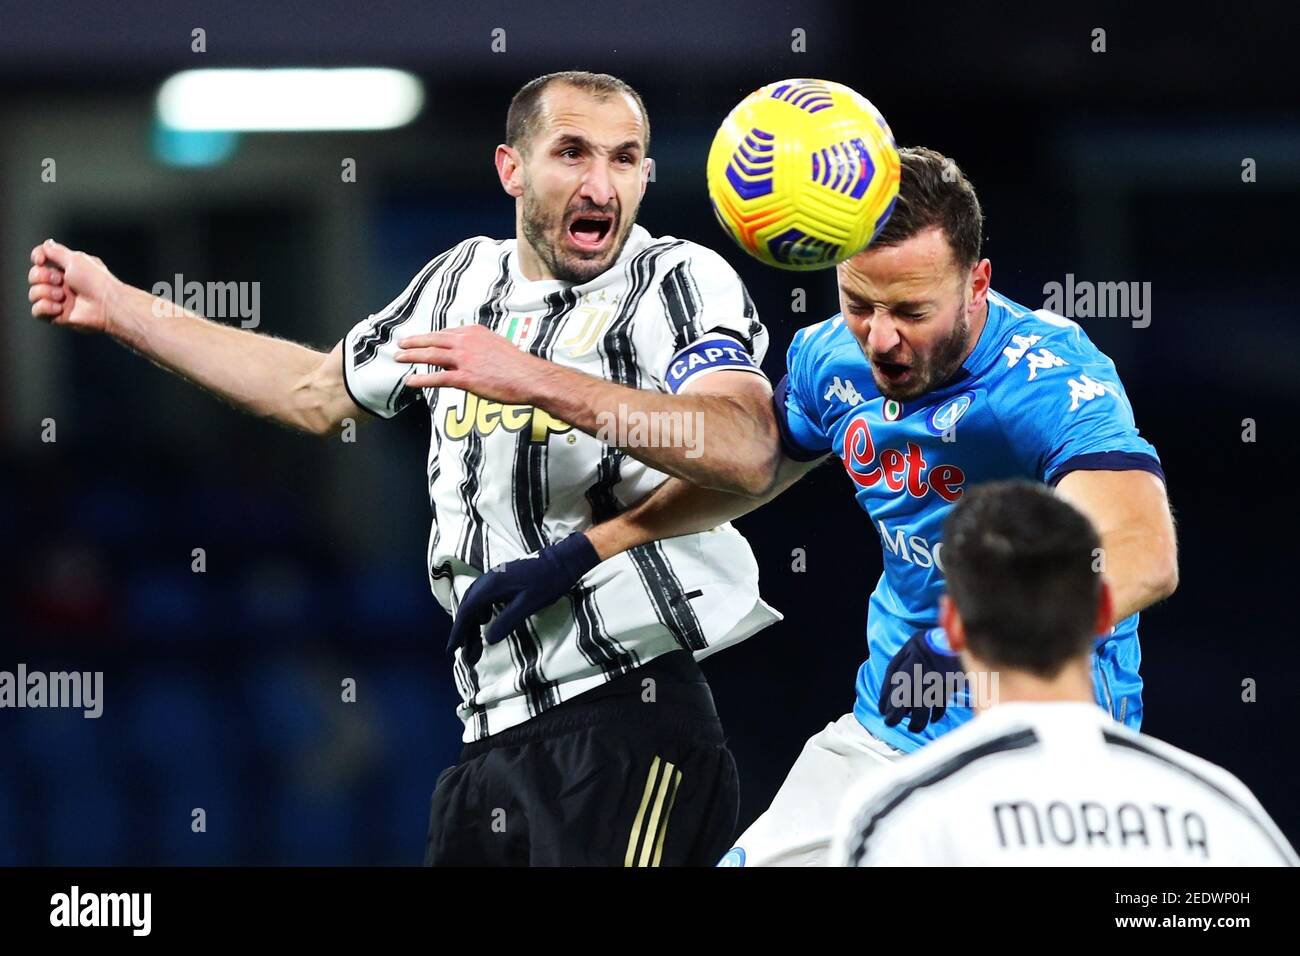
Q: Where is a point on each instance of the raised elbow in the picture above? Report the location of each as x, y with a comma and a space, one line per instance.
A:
755, 478
750, 485
319, 425
757, 466
302, 412
1166, 582
1160, 577
317, 404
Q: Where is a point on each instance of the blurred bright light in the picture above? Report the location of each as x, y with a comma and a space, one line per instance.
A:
187, 147
289, 99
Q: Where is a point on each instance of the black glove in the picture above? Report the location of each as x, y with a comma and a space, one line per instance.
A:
924, 654
524, 587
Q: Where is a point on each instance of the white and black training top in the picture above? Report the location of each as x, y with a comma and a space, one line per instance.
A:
505, 481
1054, 784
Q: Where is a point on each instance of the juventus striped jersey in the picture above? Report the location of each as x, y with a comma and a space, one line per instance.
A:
507, 480
1054, 784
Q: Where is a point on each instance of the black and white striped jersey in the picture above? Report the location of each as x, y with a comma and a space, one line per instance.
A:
1054, 784
505, 481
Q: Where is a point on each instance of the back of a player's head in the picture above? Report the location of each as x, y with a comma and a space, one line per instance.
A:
1020, 564
523, 119
933, 191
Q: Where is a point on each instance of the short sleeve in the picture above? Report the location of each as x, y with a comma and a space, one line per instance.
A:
372, 376
710, 323
1066, 407
802, 436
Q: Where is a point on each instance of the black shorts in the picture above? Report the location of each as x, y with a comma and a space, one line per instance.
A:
629, 774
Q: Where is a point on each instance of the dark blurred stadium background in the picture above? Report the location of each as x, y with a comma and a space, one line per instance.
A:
222, 689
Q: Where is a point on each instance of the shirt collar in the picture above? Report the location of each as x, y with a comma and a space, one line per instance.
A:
989, 345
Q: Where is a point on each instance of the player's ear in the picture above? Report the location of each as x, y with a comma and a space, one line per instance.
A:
510, 170
1105, 610
647, 170
981, 275
952, 625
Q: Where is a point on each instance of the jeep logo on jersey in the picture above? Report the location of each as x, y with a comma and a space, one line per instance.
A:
945, 416
485, 417
900, 470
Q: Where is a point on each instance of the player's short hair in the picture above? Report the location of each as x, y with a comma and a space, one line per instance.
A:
526, 108
1020, 564
933, 191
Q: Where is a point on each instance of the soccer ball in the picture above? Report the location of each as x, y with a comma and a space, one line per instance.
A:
803, 173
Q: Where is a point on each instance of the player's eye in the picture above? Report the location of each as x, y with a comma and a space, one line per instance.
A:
570, 152
910, 316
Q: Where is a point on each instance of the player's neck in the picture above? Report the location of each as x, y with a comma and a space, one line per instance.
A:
1074, 683
976, 330
531, 265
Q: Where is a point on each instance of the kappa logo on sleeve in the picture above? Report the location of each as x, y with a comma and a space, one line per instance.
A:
1085, 389
1038, 361
844, 390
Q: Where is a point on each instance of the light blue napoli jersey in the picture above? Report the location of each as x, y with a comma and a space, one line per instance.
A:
1035, 400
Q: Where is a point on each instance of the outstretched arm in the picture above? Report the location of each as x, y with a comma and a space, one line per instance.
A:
268, 377
677, 507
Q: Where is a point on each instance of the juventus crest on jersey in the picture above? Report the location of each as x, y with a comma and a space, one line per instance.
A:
507, 480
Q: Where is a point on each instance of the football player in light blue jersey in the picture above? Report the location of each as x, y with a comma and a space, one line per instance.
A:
927, 383
1033, 399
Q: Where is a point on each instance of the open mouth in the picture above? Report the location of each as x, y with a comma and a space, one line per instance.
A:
590, 232
895, 373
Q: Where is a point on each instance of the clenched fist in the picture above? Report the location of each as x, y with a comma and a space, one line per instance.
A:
70, 288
